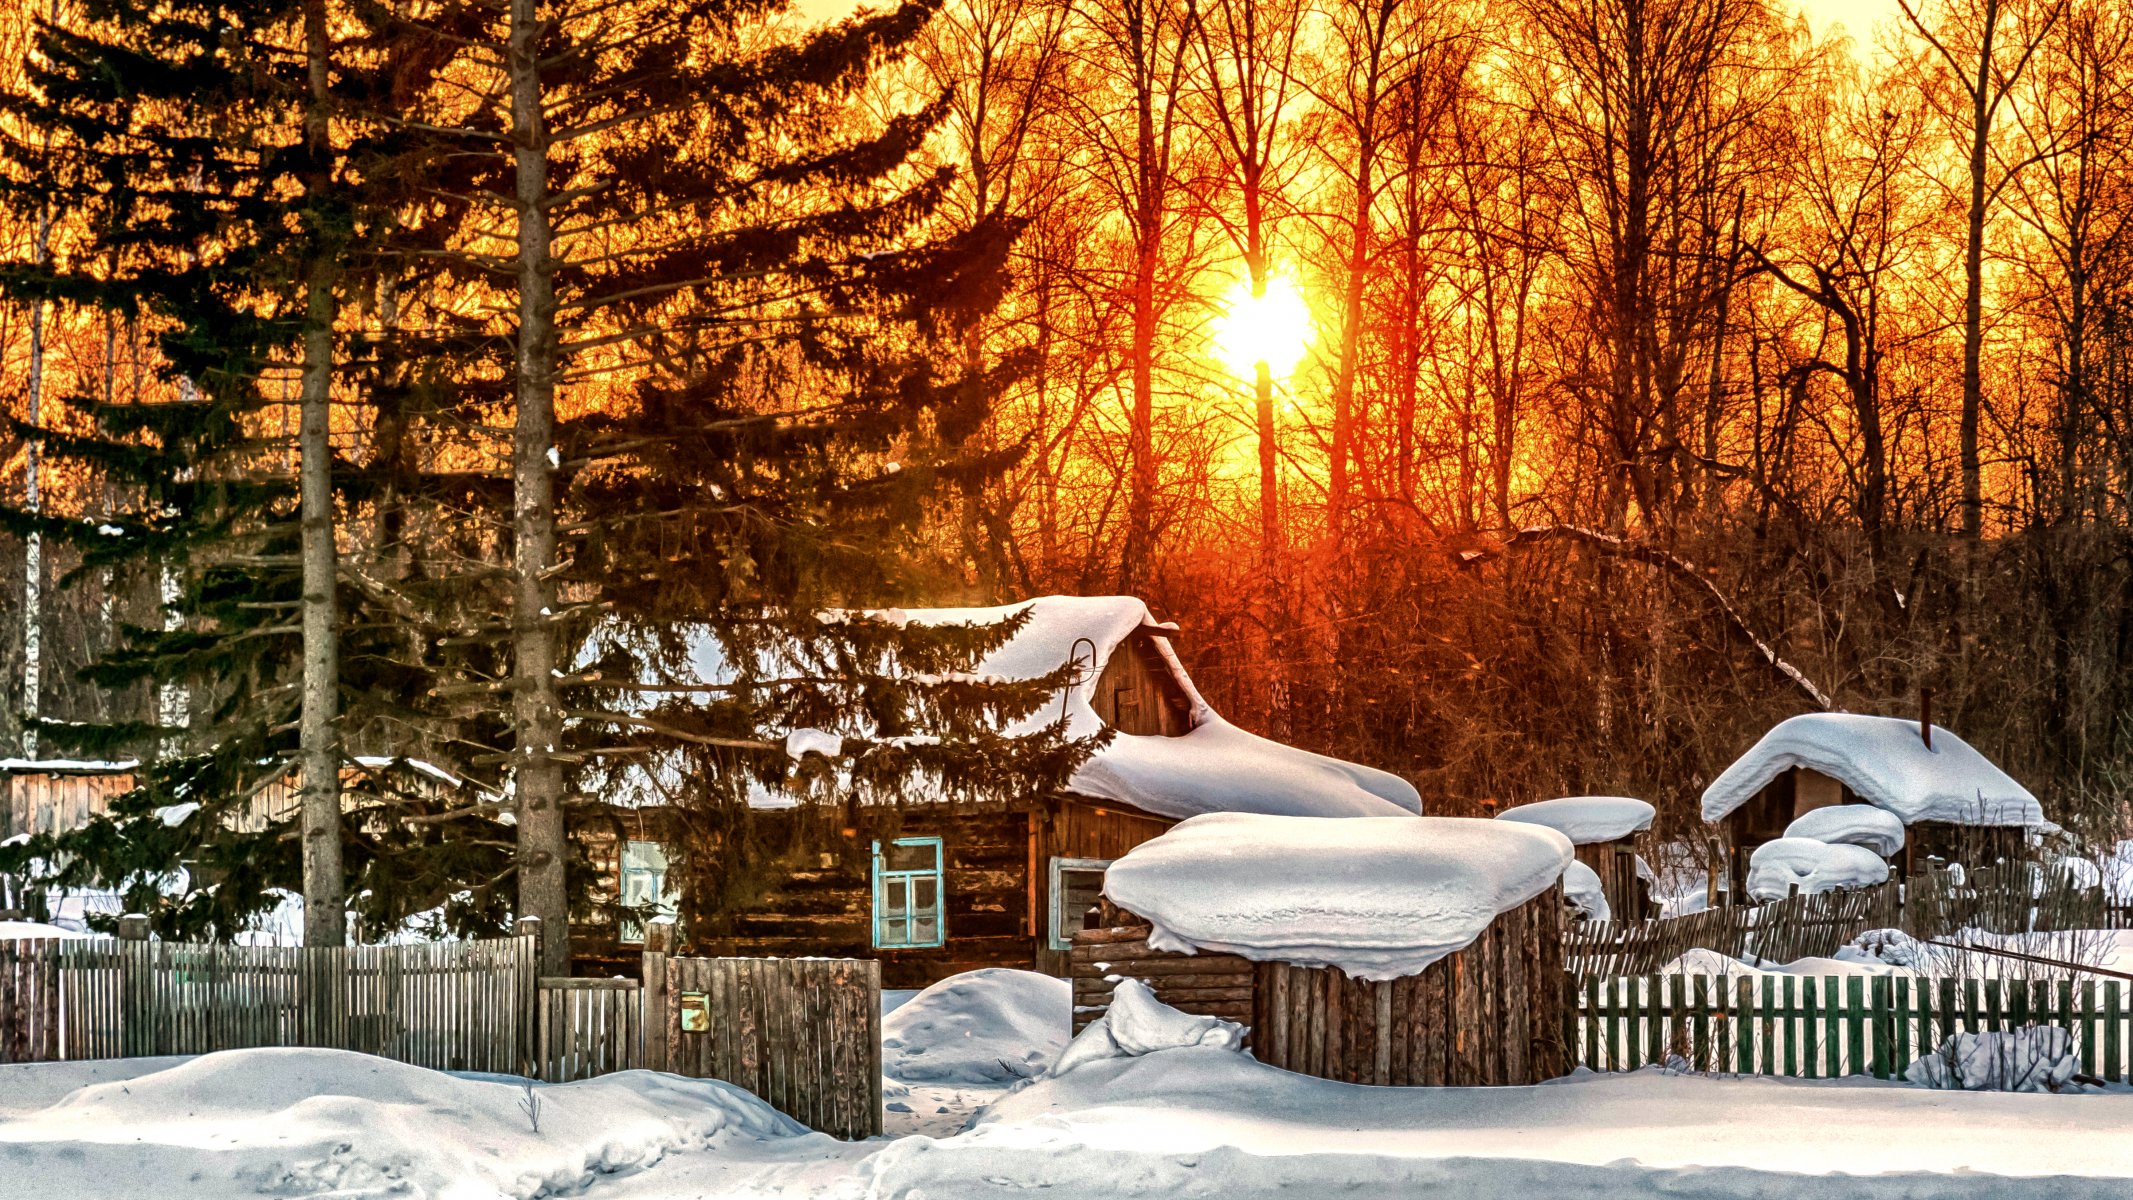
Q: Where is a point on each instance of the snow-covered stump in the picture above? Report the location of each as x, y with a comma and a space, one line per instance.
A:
1490, 1015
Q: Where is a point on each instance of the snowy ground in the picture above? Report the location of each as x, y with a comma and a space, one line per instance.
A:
1171, 1123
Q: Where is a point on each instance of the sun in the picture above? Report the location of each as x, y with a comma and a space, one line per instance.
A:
1272, 328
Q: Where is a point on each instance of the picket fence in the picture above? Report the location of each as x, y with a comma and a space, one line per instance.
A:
1829, 1026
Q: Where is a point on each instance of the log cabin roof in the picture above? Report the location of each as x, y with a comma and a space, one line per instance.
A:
1886, 763
1205, 764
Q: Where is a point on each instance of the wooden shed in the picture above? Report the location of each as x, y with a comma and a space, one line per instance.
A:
932, 889
55, 795
1606, 833
1489, 1015
1956, 806
1374, 960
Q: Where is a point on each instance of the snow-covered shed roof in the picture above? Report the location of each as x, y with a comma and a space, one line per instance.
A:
1586, 820
1885, 762
1778, 866
1214, 767
1377, 897
1877, 829
65, 766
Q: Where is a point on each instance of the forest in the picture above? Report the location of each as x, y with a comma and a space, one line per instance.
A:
1532, 398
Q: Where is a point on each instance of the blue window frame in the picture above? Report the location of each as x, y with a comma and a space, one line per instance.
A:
907, 894
644, 888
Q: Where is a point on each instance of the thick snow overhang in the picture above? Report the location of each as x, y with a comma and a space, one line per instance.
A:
1377, 897
1214, 767
1586, 820
1885, 762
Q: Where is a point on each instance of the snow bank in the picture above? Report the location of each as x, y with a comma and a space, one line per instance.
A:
1776, 866
309, 1122
1877, 829
1581, 887
2038, 1058
1209, 1123
1586, 819
1137, 1023
983, 1027
1377, 897
1885, 763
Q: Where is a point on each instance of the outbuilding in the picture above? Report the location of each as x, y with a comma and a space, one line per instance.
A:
1604, 830
1954, 804
1395, 951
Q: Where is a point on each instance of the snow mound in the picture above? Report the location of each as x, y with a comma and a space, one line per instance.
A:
1377, 897
991, 1026
1581, 887
311, 1122
1586, 819
1877, 829
1890, 947
1885, 763
1814, 866
2038, 1058
1137, 1023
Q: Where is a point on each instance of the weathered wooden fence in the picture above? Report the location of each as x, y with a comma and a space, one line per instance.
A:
1781, 931
1826, 1026
448, 1005
804, 1034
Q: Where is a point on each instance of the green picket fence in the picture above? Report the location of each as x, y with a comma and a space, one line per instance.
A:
1827, 1026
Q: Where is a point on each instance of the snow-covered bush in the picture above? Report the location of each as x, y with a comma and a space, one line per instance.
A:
2037, 1058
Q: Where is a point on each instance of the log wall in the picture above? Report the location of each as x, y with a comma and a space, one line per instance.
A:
1217, 985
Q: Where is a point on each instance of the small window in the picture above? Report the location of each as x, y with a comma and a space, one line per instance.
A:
1077, 884
643, 888
907, 894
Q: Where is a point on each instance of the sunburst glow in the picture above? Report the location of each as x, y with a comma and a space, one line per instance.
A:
1272, 328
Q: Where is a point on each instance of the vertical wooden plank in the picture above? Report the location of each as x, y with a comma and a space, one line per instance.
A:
2114, 1040
1744, 1025
1435, 1009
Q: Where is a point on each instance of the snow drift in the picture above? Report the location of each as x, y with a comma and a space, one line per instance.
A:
330, 1122
1377, 897
991, 1026
2037, 1058
1581, 887
1136, 1023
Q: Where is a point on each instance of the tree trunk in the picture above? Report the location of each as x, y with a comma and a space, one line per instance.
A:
536, 712
325, 906
1973, 282
33, 543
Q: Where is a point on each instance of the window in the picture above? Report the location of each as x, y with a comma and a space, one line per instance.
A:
644, 888
1077, 883
907, 894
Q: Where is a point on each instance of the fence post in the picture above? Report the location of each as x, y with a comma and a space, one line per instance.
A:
658, 943
136, 988
529, 1029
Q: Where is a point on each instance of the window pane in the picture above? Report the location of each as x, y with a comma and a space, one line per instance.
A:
910, 858
924, 931
893, 901
895, 933
926, 894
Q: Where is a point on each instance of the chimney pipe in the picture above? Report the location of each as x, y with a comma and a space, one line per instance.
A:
1925, 716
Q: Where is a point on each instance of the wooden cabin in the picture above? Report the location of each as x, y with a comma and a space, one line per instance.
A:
55, 795
1956, 806
932, 889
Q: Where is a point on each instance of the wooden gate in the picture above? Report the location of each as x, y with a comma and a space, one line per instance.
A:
804, 1034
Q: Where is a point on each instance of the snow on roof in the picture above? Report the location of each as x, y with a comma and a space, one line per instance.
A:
1885, 763
1877, 829
1215, 767
1776, 866
1586, 819
13, 931
1377, 897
